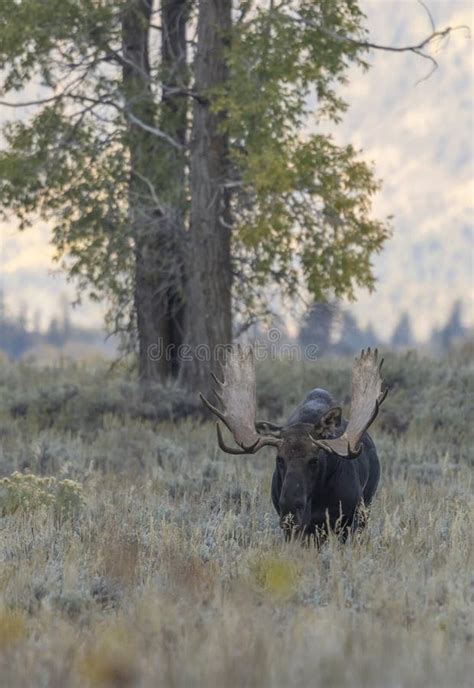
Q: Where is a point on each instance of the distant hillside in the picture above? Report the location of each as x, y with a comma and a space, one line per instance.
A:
17, 341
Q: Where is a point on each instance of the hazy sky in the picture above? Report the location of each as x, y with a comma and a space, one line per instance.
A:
420, 138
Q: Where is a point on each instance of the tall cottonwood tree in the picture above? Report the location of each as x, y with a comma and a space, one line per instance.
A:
209, 273
168, 210
103, 157
157, 180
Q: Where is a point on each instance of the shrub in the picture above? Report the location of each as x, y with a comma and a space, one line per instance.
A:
274, 575
28, 492
12, 628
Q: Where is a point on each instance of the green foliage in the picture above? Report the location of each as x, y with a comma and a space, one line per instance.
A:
67, 161
33, 31
302, 203
304, 207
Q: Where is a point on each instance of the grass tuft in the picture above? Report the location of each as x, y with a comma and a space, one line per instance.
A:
134, 553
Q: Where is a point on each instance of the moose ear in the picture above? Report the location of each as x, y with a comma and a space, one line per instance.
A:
331, 420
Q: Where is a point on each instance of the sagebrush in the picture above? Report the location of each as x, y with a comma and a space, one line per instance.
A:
168, 566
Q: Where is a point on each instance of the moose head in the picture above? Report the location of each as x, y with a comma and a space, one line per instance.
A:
314, 433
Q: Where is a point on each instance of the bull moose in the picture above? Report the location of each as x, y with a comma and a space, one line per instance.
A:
327, 469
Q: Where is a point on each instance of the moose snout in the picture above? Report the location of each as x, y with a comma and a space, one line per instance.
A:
293, 501
291, 506
292, 511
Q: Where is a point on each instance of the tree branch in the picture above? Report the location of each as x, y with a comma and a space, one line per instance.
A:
153, 130
416, 48
65, 93
184, 92
26, 103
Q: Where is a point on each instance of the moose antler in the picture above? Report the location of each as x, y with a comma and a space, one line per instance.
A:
367, 396
238, 398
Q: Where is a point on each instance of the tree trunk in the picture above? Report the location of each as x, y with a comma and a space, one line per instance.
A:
174, 16
208, 305
156, 192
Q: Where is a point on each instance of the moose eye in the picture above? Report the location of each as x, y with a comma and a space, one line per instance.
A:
313, 464
280, 462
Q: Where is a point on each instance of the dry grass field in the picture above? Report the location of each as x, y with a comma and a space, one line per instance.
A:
134, 553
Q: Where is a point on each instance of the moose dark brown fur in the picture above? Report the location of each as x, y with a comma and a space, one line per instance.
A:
327, 469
